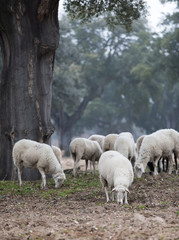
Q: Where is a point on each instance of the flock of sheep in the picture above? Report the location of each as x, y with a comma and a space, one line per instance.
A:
118, 157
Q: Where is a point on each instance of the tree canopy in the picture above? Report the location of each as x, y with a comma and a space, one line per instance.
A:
132, 76
114, 12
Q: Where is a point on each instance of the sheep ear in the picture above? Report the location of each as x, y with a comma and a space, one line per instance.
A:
127, 190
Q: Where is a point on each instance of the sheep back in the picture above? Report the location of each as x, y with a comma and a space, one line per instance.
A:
109, 141
115, 169
58, 153
98, 138
32, 154
125, 145
83, 148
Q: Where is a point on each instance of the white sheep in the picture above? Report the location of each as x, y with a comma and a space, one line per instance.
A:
116, 173
32, 154
163, 162
58, 153
125, 144
82, 148
160, 144
98, 138
109, 142
138, 143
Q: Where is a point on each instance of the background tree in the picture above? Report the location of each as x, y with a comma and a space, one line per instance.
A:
87, 71
144, 92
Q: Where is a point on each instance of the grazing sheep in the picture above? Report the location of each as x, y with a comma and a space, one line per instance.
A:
109, 141
162, 164
115, 172
32, 154
126, 146
98, 138
58, 153
82, 148
138, 143
160, 144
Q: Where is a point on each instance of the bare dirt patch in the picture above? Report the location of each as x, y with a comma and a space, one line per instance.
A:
152, 213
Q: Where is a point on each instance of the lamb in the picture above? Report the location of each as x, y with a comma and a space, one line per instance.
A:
32, 154
115, 172
82, 148
160, 144
58, 153
126, 146
98, 138
109, 141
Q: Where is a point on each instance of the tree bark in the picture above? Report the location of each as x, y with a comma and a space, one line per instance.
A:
29, 36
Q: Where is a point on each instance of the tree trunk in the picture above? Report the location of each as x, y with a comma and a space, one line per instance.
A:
29, 36
66, 123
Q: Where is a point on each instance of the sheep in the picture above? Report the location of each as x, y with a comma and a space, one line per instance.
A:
160, 144
162, 164
115, 172
98, 138
32, 154
126, 146
139, 142
58, 153
109, 141
82, 148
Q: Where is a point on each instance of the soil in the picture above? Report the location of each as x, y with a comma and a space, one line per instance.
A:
152, 213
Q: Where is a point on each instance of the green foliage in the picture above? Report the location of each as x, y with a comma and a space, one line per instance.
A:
141, 207
115, 12
68, 87
131, 78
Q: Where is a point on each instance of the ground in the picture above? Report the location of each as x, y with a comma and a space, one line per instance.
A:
152, 213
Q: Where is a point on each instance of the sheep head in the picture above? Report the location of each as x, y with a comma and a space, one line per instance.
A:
59, 179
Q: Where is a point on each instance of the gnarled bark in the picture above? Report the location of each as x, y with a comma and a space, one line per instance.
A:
29, 36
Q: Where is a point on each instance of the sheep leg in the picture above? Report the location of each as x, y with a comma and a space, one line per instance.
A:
155, 166
170, 159
90, 167
167, 160
163, 162
160, 165
112, 196
176, 164
105, 185
94, 167
19, 175
86, 167
75, 168
126, 202
43, 184
106, 192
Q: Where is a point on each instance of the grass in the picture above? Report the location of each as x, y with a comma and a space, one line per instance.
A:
141, 207
71, 185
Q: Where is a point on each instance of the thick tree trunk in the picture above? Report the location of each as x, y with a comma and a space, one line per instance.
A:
29, 36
